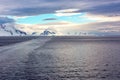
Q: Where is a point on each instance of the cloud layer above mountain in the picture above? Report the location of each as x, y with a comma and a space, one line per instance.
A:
4, 20
71, 15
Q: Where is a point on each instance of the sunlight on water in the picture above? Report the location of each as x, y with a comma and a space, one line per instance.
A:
61, 59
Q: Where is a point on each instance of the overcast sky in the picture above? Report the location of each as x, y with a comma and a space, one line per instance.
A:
94, 17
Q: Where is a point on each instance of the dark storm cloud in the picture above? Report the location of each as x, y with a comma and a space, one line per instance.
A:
36, 7
49, 19
112, 9
4, 20
30, 11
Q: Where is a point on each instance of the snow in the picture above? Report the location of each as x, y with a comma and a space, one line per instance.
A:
10, 31
6, 30
4, 33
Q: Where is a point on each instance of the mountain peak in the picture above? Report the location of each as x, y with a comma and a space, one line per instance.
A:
10, 31
47, 32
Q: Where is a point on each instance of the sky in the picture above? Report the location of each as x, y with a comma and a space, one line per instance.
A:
73, 17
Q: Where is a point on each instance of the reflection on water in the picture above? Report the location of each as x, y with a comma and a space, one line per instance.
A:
87, 60
59, 59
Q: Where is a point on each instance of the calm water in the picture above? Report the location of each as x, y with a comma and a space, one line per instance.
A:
65, 59
85, 60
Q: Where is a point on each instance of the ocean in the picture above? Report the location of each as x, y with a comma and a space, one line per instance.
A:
62, 58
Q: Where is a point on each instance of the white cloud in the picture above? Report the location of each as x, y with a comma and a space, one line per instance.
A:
59, 27
102, 18
67, 10
66, 14
64, 27
19, 17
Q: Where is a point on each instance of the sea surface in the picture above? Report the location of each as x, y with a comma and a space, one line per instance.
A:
61, 58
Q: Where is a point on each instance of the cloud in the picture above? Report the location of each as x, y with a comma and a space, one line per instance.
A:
66, 14
101, 27
101, 18
36, 7
4, 20
63, 28
39, 28
49, 19
106, 14
31, 11
67, 11
112, 9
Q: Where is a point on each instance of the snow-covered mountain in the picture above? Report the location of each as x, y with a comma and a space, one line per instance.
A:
47, 33
35, 34
10, 31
